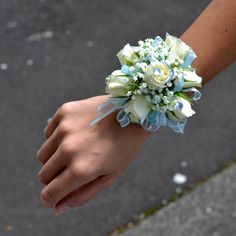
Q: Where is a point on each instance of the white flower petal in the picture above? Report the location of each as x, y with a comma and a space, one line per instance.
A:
140, 107
156, 74
117, 85
186, 110
177, 47
170, 40
191, 79
127, 54
118, 73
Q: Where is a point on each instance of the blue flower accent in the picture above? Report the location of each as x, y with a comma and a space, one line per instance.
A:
157, 41
126, 70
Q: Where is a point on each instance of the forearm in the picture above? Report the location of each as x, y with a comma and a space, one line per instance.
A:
213, 38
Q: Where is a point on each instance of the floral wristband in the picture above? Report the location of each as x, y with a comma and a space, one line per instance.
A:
155, 86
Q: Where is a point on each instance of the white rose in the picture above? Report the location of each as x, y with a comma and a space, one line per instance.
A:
127, 55
186, 111
177, 48
157, 74
139, 107
117, 83
191, 79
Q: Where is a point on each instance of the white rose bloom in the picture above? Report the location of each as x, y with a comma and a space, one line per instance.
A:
117, 83
186, 110
127, 54
191, 79
177, 47
118, 73
156, 74
139, 107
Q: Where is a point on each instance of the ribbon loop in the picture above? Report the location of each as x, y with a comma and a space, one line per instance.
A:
195, 94
123, 118
108, 107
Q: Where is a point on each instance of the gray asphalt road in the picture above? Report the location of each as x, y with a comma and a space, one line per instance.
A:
209, 210
55, 51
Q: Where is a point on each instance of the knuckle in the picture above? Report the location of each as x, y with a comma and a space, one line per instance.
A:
65, 108
63, 128
91, 170
76, 171
94, 170
82, 171
66, 149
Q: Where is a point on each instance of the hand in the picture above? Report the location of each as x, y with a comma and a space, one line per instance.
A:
80, 160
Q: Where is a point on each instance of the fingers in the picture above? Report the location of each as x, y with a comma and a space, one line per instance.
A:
52, 167
84, 194
53, 122
62, 112
56, 130
65, 183
48, 148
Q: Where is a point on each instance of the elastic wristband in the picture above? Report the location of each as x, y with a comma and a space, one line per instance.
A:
155, 86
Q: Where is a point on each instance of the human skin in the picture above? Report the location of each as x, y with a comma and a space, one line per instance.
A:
80, 160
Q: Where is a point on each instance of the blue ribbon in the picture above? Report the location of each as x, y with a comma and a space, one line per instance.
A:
189, 59
154, 121
157, 119
177, 126
108, 107
195, 93
151, 123
123, 118
179, 85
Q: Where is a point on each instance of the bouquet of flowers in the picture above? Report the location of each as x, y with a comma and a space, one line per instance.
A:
155, 86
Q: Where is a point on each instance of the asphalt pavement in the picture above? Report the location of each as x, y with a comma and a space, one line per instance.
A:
54, 51
209, 210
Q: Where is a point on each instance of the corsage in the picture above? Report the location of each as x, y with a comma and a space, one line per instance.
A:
156, 85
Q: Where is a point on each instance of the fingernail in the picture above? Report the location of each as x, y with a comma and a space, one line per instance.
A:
61, 210
40, 175
49, 119
38, 152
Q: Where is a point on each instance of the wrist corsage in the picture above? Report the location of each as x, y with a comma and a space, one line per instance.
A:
155, 86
